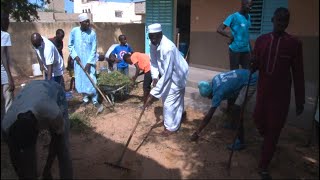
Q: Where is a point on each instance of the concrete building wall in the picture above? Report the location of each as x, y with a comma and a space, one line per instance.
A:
207, 47
304, 23
105, 11
56, 5
59, 17
23, 56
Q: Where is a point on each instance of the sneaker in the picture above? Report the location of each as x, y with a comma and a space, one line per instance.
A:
99, 107
265, 175
85, 98
167, 133
237, 146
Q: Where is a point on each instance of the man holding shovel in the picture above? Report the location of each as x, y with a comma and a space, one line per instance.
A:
167, 62
83, 47
226, 85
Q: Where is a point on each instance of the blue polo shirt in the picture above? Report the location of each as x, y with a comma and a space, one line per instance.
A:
228, 85
121, 50
239, 26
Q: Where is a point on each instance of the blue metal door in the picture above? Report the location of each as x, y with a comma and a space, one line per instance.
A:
159, 11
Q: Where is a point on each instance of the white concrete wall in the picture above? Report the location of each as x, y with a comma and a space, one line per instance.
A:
105, 11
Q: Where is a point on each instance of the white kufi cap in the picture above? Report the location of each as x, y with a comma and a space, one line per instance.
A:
83, 17
154, 28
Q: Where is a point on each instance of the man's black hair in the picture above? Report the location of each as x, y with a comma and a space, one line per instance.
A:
125, 56
101, 57
282, 11
122, 35
59, 31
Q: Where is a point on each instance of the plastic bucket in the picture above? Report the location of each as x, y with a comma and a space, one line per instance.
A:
36, 70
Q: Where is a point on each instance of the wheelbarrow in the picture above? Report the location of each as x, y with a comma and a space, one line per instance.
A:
112, 90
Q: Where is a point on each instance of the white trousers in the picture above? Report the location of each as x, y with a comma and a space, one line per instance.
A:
173, 107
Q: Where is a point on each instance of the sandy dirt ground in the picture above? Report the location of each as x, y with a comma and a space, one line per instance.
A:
151, 155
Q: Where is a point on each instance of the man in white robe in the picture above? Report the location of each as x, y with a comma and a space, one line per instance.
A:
83, 49
167, 62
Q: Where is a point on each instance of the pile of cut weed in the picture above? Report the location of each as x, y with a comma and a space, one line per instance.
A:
114, 78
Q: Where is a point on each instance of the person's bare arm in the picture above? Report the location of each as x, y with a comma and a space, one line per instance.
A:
5, 61
50, 69
203, 124
222, 30
136, 74
113, 58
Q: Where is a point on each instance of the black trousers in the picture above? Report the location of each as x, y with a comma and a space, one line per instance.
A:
239, 58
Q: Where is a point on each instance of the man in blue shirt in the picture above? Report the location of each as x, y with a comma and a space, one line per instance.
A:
239, 45
226, 85
118, 52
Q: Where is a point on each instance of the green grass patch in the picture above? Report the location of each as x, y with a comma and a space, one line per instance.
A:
114, 78
79, 122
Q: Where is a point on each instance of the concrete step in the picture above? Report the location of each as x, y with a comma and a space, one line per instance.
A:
197, 74
195, 101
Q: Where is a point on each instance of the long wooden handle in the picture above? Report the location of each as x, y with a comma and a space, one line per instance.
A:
95, 86
131, 134
178, 40
240, 120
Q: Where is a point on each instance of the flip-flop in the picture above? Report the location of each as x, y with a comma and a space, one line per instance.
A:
166, 133
237, 146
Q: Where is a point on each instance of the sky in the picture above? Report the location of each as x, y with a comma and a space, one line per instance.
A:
69, 5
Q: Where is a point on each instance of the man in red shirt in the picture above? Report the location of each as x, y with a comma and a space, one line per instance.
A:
278, 57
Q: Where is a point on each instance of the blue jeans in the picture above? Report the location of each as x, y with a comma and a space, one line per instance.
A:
239, 58
124, 71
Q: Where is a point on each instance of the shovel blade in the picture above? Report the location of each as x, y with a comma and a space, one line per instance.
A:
117, 166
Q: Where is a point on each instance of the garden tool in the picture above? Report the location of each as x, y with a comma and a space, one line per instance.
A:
313, 124
118, 163
96, 87
240, 122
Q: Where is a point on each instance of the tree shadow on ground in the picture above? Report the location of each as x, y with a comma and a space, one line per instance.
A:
90, 151
207, 158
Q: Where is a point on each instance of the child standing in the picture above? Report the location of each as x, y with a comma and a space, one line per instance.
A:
118, 52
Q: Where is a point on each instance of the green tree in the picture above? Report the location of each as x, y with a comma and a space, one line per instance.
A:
22, 10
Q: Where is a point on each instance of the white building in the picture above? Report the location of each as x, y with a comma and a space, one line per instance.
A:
108, 11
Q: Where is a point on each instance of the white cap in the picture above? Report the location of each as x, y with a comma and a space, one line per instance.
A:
83, 17
154, 28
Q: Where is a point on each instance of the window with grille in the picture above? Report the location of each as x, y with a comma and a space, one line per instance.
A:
256, 17
118, 14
